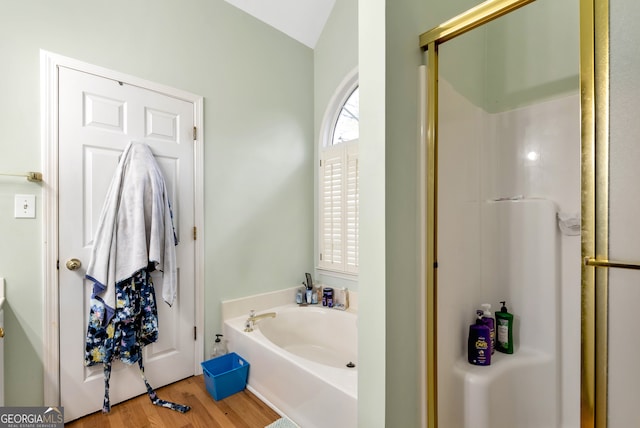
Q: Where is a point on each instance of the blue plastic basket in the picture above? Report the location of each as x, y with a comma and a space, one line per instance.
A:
225, 375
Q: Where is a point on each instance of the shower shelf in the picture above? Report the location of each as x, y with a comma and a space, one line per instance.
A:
506, 388
501, 363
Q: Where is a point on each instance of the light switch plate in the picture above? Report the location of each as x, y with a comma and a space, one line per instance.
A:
25, 206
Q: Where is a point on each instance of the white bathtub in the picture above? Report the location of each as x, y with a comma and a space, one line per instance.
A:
298, 363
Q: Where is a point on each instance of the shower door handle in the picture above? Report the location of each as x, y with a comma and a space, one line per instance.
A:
73, 264
589, 261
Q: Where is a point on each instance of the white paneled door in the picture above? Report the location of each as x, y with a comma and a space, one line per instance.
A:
98, 116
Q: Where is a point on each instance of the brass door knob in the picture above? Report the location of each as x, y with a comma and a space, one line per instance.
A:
1, 332
73, 264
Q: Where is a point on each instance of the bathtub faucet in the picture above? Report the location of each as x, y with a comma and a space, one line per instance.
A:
248, 325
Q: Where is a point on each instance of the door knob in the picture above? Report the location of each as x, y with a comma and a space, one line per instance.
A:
73, 264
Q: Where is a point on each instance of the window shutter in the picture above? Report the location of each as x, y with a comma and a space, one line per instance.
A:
352, 209
339, 186
331, 211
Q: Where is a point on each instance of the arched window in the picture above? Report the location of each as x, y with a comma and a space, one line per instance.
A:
347, 126
339, 184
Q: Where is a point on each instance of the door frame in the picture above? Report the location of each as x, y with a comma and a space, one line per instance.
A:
594, 87
49, 66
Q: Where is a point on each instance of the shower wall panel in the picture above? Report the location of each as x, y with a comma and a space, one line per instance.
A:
530, 152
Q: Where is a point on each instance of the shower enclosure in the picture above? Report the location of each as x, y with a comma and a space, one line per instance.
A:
503, 212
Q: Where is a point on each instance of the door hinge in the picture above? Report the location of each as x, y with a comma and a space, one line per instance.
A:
195, 233
195, 333
57, 264
195, 133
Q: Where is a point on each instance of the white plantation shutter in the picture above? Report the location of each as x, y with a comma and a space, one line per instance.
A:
331, 211
339, 208
352, 209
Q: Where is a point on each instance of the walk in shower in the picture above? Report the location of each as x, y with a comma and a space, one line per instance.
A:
503, 209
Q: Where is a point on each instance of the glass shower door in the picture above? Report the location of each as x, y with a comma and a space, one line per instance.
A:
624, 226
508, 162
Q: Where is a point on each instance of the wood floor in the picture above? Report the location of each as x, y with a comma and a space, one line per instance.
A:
241, 410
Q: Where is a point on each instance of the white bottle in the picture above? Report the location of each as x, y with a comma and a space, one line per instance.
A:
219, 347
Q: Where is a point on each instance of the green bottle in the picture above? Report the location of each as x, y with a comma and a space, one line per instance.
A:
504, 330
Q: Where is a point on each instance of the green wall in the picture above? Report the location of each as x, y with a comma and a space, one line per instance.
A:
520, 48
404, 22
372, 313
257, 85
498, 66
335, 57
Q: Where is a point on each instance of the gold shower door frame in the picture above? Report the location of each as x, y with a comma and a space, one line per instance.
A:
594, 87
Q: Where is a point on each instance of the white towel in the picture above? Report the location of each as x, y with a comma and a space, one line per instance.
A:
135, 228
569, 223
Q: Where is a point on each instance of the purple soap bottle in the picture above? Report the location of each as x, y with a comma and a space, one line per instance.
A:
479, 343
487, 318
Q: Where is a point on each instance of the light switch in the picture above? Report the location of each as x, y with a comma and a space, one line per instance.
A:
25, 206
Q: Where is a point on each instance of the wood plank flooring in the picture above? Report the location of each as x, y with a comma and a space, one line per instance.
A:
241, 410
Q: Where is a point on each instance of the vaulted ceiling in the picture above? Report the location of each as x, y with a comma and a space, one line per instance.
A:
302, 20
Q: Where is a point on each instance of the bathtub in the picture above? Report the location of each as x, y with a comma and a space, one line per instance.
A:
299, 363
